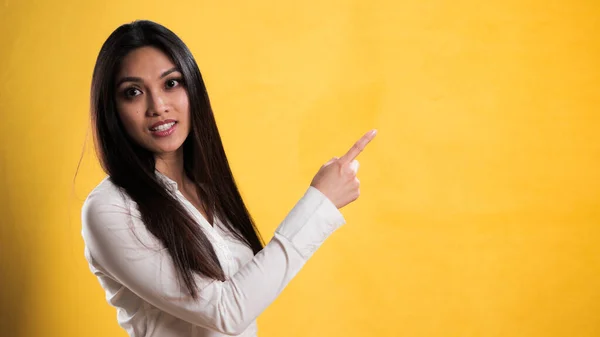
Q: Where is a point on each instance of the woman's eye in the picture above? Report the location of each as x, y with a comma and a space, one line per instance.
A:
172, 83
132, 92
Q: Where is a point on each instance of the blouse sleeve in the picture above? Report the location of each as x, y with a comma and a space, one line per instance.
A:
226, 306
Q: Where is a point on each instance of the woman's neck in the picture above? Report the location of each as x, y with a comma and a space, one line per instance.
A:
171, 165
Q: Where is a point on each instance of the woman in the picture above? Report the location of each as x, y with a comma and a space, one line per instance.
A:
167, 233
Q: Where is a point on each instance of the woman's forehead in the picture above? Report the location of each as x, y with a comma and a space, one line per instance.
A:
144, 62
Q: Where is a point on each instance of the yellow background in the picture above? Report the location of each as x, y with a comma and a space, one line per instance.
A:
480, 206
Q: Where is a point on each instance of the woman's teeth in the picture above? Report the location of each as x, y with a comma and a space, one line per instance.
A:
163, 127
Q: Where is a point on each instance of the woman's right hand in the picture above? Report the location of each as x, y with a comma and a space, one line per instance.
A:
337, 179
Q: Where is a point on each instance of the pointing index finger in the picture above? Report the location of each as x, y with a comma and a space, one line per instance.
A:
358, 147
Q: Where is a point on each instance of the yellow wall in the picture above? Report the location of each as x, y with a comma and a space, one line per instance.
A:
480, 212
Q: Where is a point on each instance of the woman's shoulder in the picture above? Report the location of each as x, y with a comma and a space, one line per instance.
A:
106, 190
106, 195
108, 213
107, 207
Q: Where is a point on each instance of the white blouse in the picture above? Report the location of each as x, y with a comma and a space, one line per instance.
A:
140, 280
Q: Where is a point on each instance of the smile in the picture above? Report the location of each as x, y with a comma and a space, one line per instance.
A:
164, 130
163, 127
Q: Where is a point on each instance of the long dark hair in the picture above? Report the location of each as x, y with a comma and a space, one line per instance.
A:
132, 167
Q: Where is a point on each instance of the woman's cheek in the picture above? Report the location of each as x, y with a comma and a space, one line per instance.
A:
131, 122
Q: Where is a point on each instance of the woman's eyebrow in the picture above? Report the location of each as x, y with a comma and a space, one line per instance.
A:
129, 79
139, 80
174, 69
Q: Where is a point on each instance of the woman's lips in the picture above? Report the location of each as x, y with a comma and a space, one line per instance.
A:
163, 129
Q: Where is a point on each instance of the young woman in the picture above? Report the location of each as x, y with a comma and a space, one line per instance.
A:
167, 232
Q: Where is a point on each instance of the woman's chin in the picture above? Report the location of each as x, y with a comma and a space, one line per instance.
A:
165, 150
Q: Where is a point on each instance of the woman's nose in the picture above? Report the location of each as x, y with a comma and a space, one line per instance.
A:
157, 104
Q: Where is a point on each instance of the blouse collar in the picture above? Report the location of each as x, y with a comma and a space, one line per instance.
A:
168, 182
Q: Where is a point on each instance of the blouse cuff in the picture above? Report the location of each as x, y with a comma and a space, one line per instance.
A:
310, 222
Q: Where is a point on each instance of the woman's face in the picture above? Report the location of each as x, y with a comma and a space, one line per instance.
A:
152, 101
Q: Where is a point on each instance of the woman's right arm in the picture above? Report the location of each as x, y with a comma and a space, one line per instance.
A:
225, 306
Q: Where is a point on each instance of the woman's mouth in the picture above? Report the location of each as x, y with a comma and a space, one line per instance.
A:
164, 129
